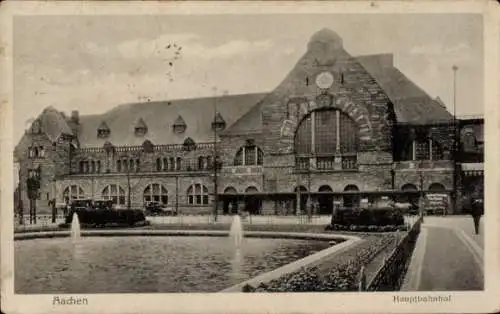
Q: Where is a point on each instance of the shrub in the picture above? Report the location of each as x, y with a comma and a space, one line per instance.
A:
107, 216
342, 276
368, 217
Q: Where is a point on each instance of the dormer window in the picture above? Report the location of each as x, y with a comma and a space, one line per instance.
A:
189, 144
103, 130
140, 128
179, 125
218, 124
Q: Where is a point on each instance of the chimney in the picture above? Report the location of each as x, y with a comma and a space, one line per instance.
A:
75, 116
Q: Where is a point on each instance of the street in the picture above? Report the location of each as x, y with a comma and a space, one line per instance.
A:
448, 256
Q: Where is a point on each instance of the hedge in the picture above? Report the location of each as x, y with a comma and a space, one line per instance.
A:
386, 216
342, 276
106, 216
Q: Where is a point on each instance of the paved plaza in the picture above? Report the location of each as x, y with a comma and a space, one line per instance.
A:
448, 256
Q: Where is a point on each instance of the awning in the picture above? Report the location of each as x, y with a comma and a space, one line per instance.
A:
473, 166
473, 169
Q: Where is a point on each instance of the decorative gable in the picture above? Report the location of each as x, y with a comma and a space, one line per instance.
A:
179, 125
148, 146
189, 144
103, 130
140, 128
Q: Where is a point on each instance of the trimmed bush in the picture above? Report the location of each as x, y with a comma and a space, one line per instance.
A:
103, 217
368, 217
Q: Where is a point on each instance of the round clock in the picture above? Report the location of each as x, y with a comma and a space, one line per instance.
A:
324, 80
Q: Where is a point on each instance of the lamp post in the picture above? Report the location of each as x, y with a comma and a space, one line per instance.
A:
128, 186
455, 139
215, 126
421, 198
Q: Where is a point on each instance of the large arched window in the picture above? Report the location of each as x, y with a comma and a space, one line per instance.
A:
115, 193
156, 193
249, 155
197, 194
323, 135
73, 192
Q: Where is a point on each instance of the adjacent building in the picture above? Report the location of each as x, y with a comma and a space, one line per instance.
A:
339, 129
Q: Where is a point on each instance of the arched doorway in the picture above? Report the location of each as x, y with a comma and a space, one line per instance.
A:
412, 199
230, 203
325, 201
303, 199
252, 202
352, 200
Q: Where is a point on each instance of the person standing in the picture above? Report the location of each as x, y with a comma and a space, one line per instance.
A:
477, 210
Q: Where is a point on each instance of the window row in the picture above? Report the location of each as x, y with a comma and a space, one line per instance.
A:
128, 165
36, 152
326, 163
197, 194
424, 149
178, 164
90, 166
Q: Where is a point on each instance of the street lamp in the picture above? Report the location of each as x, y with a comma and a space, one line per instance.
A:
455, 138
217, 125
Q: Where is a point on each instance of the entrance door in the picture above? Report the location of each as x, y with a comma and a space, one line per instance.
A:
230, 203
325, 201
252, 202
351, 201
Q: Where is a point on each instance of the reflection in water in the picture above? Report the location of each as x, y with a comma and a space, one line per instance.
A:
237, 273
148, 264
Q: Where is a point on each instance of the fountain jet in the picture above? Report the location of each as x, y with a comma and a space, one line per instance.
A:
75, 228
236, 231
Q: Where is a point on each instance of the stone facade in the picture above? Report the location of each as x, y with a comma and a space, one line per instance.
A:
325, 78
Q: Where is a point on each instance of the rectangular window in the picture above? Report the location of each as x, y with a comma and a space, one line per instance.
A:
190, 199
198, 199
422, 150
205, 199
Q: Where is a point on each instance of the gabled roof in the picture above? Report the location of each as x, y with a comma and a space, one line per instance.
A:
251, 122
198, 115
53, 123
411, 104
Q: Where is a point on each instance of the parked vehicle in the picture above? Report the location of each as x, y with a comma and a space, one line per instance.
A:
157, 209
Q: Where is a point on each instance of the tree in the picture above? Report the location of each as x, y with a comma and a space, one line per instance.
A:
33, 187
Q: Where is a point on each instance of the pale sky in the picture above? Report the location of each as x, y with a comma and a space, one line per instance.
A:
93, 63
